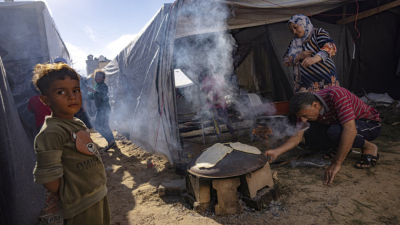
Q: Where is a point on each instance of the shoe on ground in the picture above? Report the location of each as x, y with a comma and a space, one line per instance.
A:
109, 146
303, 146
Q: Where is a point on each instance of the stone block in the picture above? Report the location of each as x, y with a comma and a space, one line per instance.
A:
253, 182
172, 187
263, 197
227, 196
198, 207
188, 198
199, 187
202, 207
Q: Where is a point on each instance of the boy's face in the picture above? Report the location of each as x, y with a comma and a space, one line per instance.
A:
64, 98
99, 77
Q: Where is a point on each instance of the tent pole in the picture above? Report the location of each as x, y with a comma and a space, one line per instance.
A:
369, 12
344, 12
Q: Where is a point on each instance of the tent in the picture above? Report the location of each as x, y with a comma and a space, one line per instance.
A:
28, 36
141, 80
21, 200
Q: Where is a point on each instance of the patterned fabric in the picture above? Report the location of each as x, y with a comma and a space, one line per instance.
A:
296, 46
319, 75
340, 105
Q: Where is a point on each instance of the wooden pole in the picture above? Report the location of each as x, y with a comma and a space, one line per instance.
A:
344, 12
369, 12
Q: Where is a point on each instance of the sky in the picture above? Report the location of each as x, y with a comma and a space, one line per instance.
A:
100, 27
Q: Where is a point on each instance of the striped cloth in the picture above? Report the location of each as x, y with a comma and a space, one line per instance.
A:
340, 105
321, 74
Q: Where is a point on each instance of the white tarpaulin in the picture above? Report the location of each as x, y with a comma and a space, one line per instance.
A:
141, 80
249, 13
28, 36
142, 88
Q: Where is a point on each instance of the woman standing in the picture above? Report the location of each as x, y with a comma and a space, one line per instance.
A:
310, 53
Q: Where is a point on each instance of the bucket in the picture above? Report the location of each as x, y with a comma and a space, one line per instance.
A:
282, 108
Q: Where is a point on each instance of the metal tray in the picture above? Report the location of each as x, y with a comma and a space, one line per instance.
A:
234, 164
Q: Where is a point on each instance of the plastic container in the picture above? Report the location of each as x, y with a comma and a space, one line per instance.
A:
282, 108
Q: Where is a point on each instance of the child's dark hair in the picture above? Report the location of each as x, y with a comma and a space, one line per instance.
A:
99, 71
46, 74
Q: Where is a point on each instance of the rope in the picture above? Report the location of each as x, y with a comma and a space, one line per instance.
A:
355, 24
170, 8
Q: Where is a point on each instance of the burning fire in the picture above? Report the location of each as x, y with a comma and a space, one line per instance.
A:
262, 132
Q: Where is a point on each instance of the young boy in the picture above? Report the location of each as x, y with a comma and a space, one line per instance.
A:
100, 96
68, 162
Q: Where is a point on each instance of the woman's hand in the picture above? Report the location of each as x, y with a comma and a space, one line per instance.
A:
272, 155
311, 60
304, 54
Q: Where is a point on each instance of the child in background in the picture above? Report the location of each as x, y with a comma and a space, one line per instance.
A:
100, 96
68, 162
39, 110
82, 113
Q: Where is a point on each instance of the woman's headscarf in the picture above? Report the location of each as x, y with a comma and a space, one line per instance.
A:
296, 46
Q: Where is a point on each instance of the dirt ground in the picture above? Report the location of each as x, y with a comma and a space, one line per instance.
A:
369, 196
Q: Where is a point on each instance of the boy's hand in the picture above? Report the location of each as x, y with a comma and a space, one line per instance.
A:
52, 199
90, 89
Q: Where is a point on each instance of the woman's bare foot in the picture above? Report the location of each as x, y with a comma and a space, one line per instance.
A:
368, 149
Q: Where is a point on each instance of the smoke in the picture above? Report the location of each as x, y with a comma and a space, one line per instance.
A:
206, 57
209, 54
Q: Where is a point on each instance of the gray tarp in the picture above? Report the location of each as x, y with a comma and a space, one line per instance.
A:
29, 35
250, 13
140, 77
142, 88
21, 200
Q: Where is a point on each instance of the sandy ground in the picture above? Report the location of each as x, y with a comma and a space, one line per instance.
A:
369, 196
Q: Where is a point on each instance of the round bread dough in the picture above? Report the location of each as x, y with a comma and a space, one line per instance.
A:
245, 148
210, 157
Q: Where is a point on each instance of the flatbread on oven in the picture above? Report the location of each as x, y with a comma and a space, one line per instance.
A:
210, 157
245, 148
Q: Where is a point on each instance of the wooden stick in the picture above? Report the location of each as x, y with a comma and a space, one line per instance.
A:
369, 12
344, 12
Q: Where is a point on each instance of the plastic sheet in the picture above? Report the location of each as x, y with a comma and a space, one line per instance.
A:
316, 161
21, 199
140, 78
28, 37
